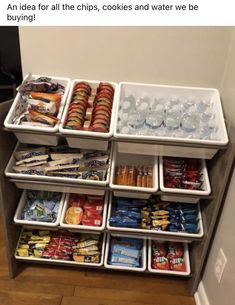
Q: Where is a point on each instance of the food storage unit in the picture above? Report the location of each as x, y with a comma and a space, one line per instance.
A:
195, 245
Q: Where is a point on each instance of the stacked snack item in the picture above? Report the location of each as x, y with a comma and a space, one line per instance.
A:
84, 209
41, 206
183, 173
62, 161
90, 109
60, 245
140, 176
168, 256
153, 215
40, 100
127, 212
126, 252
87, 249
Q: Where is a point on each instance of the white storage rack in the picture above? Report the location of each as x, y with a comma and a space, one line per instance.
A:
210, 204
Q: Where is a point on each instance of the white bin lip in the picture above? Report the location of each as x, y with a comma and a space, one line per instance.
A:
84, 133
205, 192
34, 259
170, 272
82, 227
9, 173
144, 257
117, 187
155, 234
222, 142
18, 128
21, 206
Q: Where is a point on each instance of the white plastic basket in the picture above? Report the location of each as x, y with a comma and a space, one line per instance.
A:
159, 91
21, 205
206, 189
75, 138
63, 224
9, 172
64, 262
154, 233
133, 191
169, 272
31, 134
108, 266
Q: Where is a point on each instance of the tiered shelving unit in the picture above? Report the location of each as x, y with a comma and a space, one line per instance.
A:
219, 170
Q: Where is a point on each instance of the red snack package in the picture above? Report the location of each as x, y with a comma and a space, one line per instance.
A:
175, 250
159, 249
160, 263
92, 220
177, 264
76, 200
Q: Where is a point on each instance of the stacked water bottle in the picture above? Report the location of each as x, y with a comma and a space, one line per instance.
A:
168, 117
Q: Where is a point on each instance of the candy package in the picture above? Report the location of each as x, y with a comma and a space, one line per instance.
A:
126, 252
41, 206
39, 103
168, 256
60, 245
62, 161
85, 210
183, 173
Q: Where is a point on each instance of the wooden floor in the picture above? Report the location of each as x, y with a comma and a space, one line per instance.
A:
50, 285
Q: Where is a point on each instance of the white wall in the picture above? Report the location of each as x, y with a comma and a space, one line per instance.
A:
170, 55
224, 293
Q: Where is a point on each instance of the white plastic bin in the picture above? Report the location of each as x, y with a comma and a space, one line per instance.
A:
9, 172
171, 149
87, 139
31, 134
20, 208
126, 230
206, 189
169, 272
63, 224
108, 266
129, 159
64, 262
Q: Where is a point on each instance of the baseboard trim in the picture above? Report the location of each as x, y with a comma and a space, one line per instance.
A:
200, 296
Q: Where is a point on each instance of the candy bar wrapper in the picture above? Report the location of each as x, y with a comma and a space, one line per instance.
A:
71, 175
96, 162
41, 84
22, 153
125, 251
65, 161
61, 156
98, 175
92, 220
88, 154
42, 118
87, 251
33, 160
87, 243
42, 106
85, 237
95, 259
62, 168
121, 260
22, 252
37, 170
